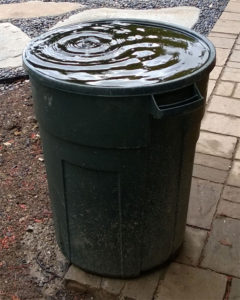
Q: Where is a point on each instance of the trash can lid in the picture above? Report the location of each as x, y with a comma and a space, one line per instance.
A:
119, 55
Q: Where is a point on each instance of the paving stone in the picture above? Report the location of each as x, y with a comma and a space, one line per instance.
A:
225, 105
192, 246
233, 64
204, 197
237, 47
235, 56
234, 177
224, 88
231, 74
216, 144
221, 124
226, 26
33, 9
231, 193
222, 249
215, 73
237, 91
229, 209
12, 41
142, 288
222, 55
233, 7
222, 42
187, 283
211, 85
211, 174
212, 161
185, 16
235, 290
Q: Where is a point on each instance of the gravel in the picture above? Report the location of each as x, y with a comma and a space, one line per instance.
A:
210, 12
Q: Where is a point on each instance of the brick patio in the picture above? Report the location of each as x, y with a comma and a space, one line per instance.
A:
208, 267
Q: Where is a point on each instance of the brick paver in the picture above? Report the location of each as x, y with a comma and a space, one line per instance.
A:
233, 64
235, 290
229, 209
203, 202
224, 88
237, 91
231, 74
222, 253
215, 73
212, 161
211, 85
193, 244
187, 283
227, 26
231, 193
224, 105
222, 42
223, 124
235, 56
222, 55
216, 144
237, 154
210, 174
234, 177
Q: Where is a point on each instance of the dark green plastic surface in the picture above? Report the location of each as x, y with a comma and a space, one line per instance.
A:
119, 168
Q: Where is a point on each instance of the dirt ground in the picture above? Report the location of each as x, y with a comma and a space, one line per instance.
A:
31, 265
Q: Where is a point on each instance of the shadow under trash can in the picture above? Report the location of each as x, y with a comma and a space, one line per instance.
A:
119, 105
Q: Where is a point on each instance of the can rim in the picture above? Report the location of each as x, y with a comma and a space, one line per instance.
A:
161, 87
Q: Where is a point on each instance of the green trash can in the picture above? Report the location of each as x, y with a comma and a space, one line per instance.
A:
119, 105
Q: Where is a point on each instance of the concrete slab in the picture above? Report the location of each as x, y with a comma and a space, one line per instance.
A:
33, 9
12, 41
188, 283
185, 15
222, 253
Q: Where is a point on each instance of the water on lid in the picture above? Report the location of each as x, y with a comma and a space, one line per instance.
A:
116, 54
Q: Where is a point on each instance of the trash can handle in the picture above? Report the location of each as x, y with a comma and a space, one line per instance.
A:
182, 107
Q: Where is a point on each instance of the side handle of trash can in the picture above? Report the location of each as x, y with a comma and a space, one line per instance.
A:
194, 102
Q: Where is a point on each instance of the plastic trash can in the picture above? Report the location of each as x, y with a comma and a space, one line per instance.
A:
119, 158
